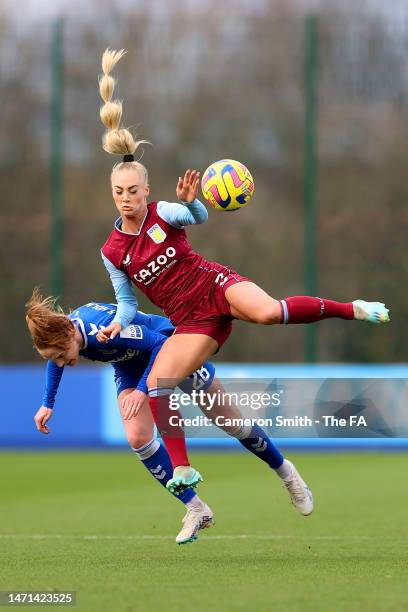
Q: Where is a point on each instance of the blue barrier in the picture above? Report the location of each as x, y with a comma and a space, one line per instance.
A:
77, 417
86, 413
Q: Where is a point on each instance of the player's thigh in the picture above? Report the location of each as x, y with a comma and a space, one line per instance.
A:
139, 429
251, 303
179, 357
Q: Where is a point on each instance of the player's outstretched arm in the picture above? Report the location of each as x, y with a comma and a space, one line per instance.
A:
180, 215
187, 186
126, 300
52, 380
41, 418
191, 211
53, 377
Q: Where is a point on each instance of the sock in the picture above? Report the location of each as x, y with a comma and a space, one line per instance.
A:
285, 470
257, 442
195, 502
156, 459
304, 309
172, 435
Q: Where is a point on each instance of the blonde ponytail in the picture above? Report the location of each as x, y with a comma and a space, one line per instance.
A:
116, 140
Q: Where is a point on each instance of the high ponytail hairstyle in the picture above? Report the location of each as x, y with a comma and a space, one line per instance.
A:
117, 140
49, 326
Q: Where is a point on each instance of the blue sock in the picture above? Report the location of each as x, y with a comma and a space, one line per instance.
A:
155, 458
257, 442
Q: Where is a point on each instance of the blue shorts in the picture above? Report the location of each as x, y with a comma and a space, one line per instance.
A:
128, 374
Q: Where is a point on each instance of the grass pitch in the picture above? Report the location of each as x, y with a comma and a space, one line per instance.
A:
98, 523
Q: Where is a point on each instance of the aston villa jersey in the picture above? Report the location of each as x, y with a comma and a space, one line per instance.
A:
162, 264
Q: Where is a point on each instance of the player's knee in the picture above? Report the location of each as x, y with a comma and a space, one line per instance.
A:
160, 380
269, 314
151, 381
137, 439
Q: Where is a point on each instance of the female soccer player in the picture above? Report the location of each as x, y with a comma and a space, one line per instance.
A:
61, 339
148, 246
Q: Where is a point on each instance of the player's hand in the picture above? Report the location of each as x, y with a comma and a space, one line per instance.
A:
132, 404
109, 332
43, 415
187, 187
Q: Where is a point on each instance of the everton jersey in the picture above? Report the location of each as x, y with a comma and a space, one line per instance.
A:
143, 335
139, 343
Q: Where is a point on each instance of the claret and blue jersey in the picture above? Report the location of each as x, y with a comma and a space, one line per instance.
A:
160, 250
131, 353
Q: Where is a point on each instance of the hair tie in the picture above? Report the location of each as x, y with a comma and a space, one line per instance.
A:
128, 158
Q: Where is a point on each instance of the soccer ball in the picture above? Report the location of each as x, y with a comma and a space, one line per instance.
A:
227, 185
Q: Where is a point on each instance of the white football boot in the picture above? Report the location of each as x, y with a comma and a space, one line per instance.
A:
197, 518
300, 494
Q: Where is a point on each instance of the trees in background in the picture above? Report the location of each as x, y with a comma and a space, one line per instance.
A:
203, 85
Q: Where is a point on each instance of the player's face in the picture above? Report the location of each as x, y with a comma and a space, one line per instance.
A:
130, 192
67, 357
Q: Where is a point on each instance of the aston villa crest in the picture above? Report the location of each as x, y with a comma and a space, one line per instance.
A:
157, 234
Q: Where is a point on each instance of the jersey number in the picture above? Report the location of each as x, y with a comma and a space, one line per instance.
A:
221, 279
199, 378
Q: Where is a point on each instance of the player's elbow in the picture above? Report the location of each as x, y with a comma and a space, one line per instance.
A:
203, 217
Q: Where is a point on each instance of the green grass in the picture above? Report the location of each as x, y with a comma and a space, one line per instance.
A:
351, 554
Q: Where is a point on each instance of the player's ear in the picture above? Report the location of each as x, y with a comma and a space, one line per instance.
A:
147, 187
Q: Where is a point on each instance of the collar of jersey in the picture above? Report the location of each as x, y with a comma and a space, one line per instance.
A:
79, 324
118, 225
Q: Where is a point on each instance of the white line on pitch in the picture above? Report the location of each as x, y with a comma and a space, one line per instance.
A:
61, 536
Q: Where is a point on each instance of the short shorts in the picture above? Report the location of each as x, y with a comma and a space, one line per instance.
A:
128, 374
212, 315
